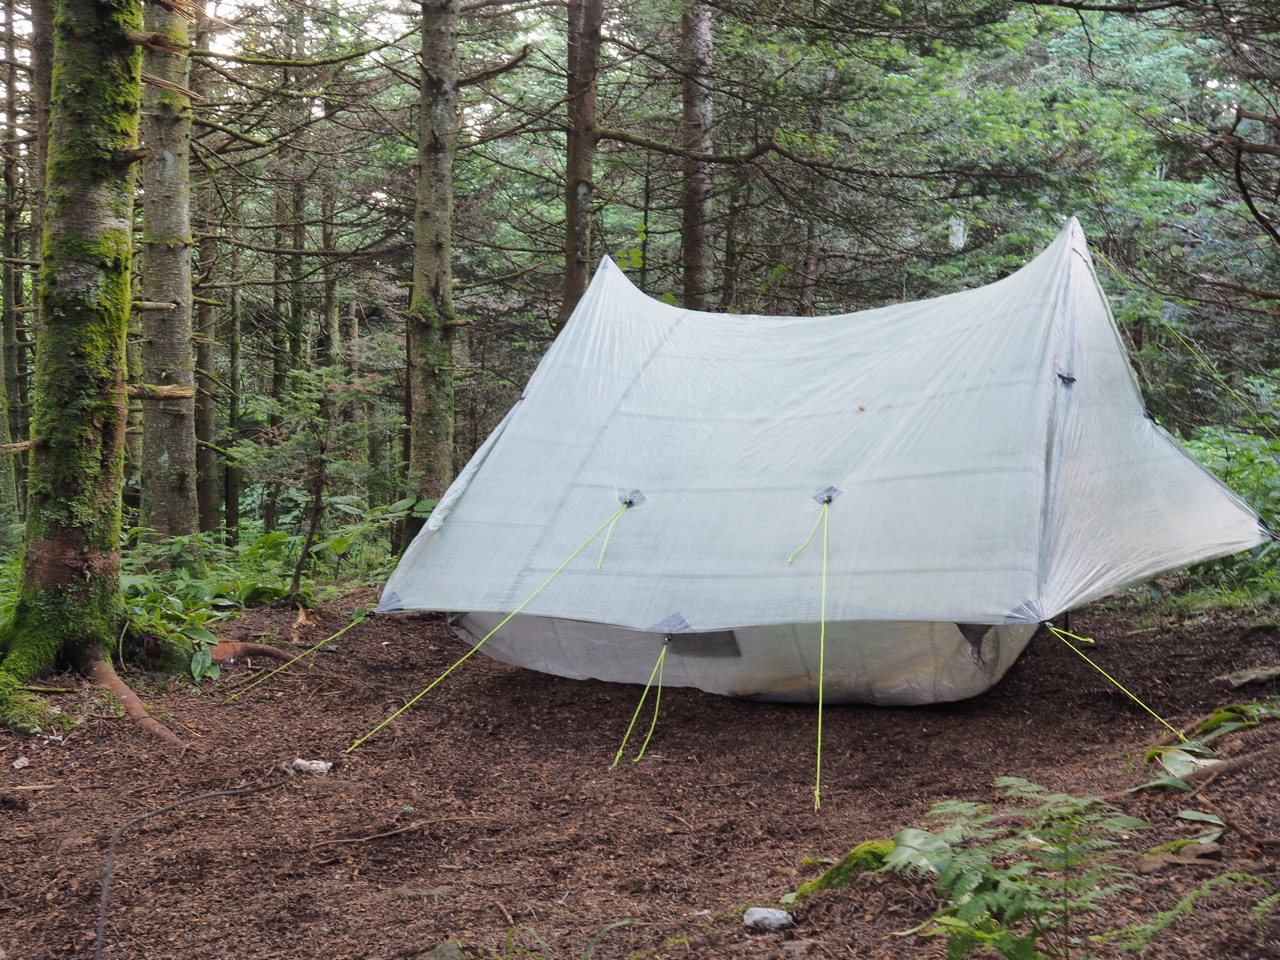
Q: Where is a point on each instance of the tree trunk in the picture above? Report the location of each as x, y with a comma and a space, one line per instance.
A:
208, 495
208, 492
585, 17
169, 434
290, 235
431, 319
41, 95
729, 276
696, 242
10, 284
809, 273
69, 599
231, 474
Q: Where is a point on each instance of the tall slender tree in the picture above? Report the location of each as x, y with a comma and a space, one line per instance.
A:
169, 406
697, 249
586, 19
431, 320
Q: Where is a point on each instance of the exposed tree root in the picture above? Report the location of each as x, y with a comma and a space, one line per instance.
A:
101, 671
1206, 775
231, 649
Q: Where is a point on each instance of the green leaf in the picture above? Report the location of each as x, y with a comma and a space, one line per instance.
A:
920, 850
1199, 817
1174, 783
201, 662
1180, 763
199, 634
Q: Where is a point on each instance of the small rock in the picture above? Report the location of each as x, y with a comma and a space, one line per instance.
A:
20, 763
767, 918
311, 766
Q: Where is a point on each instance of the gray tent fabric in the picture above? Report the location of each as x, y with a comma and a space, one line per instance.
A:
984, 459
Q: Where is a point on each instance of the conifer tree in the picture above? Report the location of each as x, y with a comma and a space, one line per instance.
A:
69, 602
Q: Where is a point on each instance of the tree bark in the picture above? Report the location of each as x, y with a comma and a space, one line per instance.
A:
585, 20
235, 381
431, 318
696, 247
208, 492
809, 273
10, 285
69, 599
169, 434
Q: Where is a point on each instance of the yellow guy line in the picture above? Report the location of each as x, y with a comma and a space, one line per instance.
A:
467, 656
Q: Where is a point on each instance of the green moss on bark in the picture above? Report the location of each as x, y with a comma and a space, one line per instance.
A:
864, 858
69, 601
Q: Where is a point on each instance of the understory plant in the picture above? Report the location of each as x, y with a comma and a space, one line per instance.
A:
1022, 877
1249, 463
176, 588
1185, 757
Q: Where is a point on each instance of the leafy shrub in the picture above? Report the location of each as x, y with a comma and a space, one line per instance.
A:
1249, 463
1017, 880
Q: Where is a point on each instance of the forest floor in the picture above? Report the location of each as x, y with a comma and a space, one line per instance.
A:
489, 811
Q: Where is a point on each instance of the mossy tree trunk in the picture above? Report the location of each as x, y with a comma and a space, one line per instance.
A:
169, 435
10, 285
431, 319
69, 600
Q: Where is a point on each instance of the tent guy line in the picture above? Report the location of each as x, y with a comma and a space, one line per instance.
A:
657, 672
1063, 635
607, 525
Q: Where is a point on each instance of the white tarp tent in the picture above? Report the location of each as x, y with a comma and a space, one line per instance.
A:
987, 456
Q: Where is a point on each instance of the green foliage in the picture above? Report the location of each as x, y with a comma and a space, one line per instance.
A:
1249, 463
1016, 879
180, 604
1136, 937
1184, 758
168, 602
1265, 907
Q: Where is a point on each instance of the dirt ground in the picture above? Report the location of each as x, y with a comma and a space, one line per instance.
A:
489, 812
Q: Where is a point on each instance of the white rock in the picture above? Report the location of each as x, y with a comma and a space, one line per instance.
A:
311, 766
20, 763
766, 918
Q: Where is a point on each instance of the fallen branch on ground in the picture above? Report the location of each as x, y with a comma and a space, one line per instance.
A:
230, 649
109, 866
1206, 775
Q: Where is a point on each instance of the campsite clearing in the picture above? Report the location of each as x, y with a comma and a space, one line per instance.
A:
491, 805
